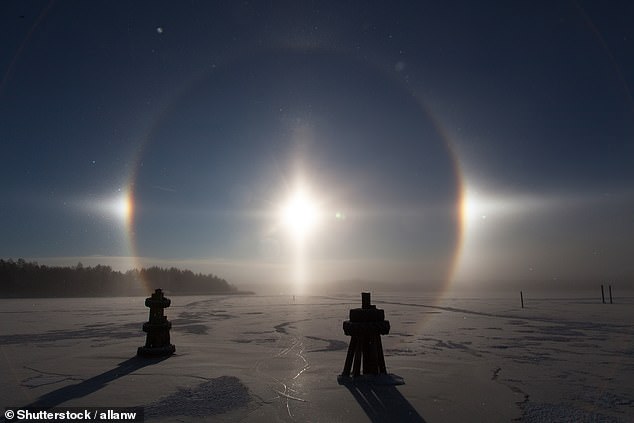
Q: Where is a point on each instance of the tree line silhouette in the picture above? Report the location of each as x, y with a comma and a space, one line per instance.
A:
22, 279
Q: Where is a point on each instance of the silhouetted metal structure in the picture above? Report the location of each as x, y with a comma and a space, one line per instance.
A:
366, 325
157, 342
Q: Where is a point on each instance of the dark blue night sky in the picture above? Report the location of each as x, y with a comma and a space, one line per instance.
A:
437, 142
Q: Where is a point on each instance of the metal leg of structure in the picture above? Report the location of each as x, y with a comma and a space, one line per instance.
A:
358, 356
349, 357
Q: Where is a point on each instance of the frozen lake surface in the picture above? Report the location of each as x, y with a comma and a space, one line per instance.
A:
270, 358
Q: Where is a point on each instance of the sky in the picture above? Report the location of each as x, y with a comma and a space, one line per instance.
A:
439, 144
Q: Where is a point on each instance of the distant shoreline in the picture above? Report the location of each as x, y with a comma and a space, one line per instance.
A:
167, 294
22, 279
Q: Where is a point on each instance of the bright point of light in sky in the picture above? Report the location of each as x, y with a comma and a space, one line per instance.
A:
119, 207
300, 214
122, 207
475, 207
479, 205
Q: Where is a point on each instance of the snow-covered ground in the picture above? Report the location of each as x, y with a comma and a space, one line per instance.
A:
272, 358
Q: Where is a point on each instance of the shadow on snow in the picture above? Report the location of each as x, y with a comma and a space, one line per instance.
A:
88, 386
380, 399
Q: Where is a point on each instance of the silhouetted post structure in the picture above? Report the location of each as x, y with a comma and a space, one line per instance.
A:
157, 328
365, 327
610, 291
522, 298
602, 295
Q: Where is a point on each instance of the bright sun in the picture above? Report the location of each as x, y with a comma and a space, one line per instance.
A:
300, 214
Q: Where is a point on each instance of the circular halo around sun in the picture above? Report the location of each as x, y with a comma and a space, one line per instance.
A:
224, 156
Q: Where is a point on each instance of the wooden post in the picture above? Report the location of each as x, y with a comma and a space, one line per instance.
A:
522, 298
157, 327
365, 300
610, 291
602, 294
365, 327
